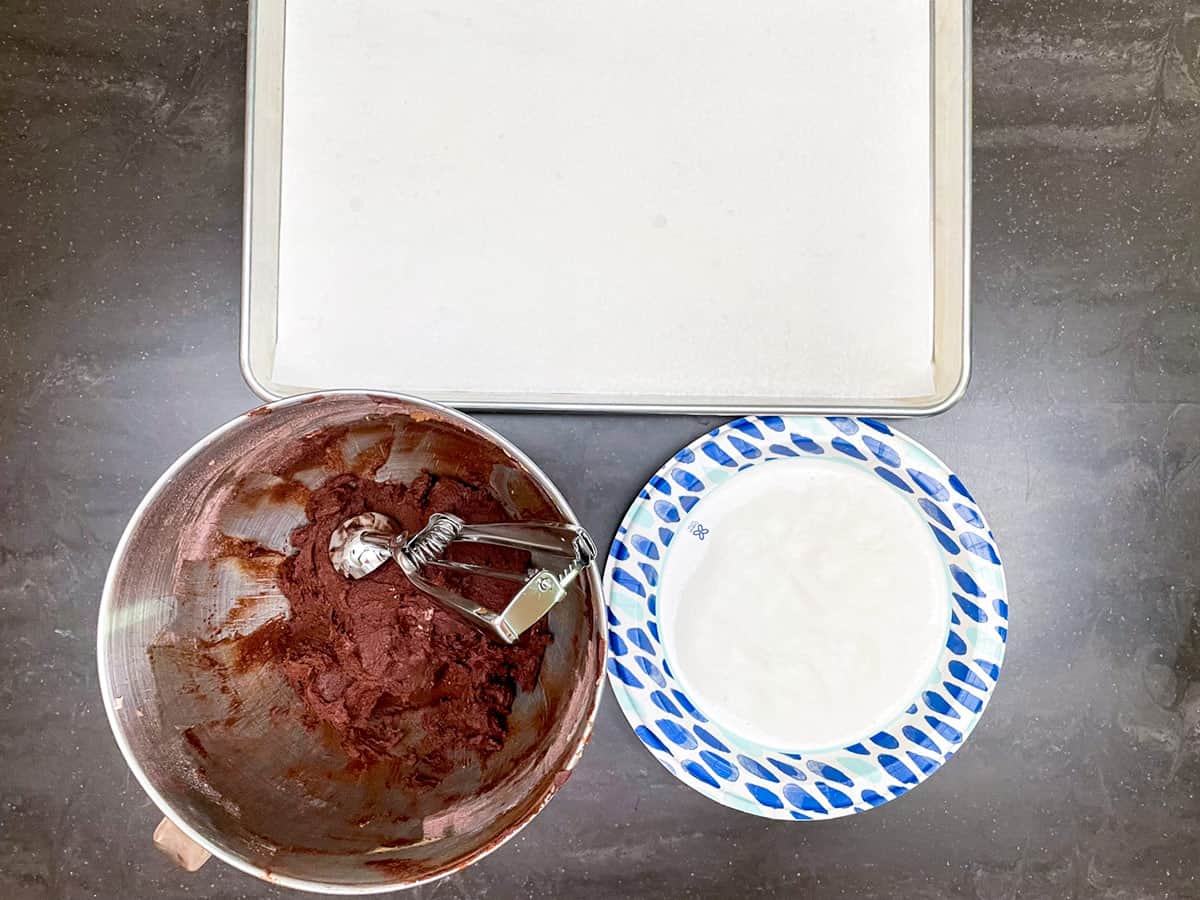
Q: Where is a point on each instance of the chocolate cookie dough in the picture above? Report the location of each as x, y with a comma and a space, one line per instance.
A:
393, 674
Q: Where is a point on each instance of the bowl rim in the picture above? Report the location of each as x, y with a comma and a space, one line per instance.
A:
598, 642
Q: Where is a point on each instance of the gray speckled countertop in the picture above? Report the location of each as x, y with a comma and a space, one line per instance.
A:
120, 199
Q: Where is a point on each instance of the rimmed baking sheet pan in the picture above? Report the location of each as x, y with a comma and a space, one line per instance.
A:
573, 205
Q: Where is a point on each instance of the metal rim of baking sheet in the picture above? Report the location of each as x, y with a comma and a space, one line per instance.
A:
950, 219
110, 707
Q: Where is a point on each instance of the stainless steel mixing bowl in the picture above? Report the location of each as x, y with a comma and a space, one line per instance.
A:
263, 791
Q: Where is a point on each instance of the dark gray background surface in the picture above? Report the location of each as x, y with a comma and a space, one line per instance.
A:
120, 204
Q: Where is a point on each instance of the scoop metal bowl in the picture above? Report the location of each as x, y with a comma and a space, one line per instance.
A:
267, 794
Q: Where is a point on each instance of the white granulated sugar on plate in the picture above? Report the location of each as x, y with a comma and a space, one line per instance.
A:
813, 611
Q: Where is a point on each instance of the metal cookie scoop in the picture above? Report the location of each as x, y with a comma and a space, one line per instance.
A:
559, 553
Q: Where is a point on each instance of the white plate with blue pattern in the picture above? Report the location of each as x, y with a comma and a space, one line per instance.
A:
778, 782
